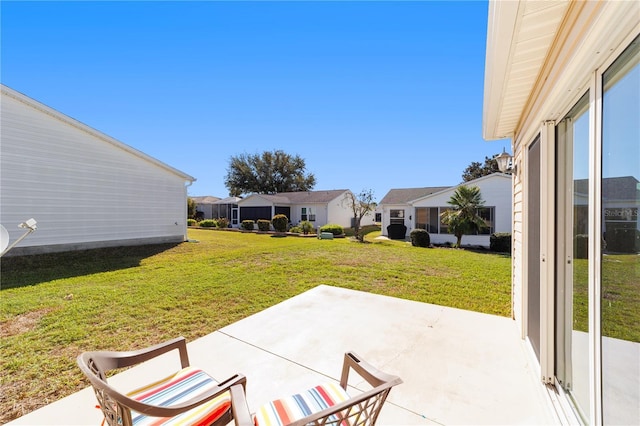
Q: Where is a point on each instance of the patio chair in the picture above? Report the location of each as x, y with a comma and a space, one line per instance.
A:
188, 396
324, 404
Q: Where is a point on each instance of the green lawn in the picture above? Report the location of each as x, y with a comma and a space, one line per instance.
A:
620, 296
56, 306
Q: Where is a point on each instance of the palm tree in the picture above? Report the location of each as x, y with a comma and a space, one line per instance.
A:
463, 217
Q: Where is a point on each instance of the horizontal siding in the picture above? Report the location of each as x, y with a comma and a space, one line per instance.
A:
517, 253
79, 187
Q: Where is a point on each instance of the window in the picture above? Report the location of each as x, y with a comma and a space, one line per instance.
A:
444, 229
397, 216
488, 215
422, 218
307, 213
427, 218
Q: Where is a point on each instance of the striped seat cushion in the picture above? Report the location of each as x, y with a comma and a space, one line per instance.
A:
175, 389
287, 410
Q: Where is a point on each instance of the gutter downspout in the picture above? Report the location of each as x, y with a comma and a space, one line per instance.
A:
188, 183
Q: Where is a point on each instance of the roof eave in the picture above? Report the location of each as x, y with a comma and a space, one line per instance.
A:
501, 26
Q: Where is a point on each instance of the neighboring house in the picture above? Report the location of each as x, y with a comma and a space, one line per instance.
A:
421, 208
317, 207
84, 188
395, 207
562, 81
204, 207
227, 208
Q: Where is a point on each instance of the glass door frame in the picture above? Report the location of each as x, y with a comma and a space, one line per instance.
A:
595, 221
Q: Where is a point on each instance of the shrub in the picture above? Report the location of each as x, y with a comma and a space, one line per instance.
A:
191, 222
420, 238
247, 225
306, 227
280, 222
222, 222
295, 230
264, 225
500, 242
333, 228
207, 223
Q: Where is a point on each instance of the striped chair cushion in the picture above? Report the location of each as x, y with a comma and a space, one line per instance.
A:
175, 389
287, 410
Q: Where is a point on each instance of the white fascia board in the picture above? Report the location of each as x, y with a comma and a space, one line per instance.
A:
501, 28
453, 188
93, 132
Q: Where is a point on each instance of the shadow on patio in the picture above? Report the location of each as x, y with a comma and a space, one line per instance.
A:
458, 367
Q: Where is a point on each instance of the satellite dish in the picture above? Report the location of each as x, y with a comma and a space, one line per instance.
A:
4, 238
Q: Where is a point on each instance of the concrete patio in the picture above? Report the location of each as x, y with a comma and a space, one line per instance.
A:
458, 367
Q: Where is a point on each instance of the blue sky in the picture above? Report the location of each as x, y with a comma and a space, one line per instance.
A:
372, 95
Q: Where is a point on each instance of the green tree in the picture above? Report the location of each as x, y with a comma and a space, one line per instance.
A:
476, 170
191, 208
360, 205
463, 217
267, 173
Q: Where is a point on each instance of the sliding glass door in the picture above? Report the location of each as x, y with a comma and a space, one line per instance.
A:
572, 263
597, 292
620, 254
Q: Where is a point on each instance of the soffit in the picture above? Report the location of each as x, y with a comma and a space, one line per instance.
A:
519, 39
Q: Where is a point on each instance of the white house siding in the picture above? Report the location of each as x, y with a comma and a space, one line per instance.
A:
339, 212
517, 248
320, 210
83, 188
368, 219
386, 219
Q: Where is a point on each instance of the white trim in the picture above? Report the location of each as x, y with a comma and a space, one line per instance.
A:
595, 184
473, 182
564, 253
547, 251
526, 208
499, 40
591, 34
564, 406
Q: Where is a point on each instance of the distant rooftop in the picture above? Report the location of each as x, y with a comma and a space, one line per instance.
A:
404, 195
205, 199
613, 188
304, 196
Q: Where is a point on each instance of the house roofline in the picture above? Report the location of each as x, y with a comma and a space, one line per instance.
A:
471, 182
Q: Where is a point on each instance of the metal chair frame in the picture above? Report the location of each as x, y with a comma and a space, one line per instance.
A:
117, 406
362, 409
